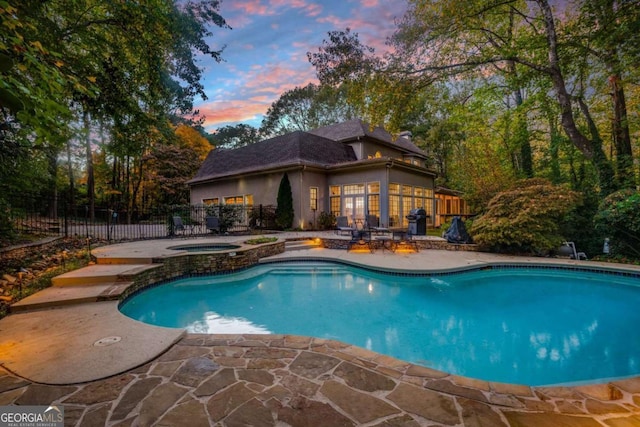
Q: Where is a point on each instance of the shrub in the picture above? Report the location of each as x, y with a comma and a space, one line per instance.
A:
525, 218
326, 221
284, 210
618, 218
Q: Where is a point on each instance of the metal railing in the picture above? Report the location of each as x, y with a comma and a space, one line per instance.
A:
35, 216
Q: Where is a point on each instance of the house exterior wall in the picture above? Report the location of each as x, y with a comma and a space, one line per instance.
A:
264, 190
370, 149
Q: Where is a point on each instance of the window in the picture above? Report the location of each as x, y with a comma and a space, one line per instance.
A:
353, 189
212, 201
407, 203
394, 211
248, 199
373, 188
234, 200
334, 201
407, 190
373, 204
313, 198
394, 188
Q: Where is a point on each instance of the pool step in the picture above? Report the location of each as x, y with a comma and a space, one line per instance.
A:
58, 296
120, 261
298, 245
100, 274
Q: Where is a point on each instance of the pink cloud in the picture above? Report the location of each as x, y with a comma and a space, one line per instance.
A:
310, 9
369, 3
252, 7
371, 32
263, 84
217, 113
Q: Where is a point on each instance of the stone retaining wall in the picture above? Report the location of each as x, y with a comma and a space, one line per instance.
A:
202, 263
422, 244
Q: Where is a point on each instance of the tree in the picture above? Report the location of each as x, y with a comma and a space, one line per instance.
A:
514, 45
168, 169
234, 136
525, 218
190, 138
306, 108
284, 210
618, 219
120, 68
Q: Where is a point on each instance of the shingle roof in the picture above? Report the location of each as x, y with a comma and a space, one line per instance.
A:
356, 128
293, 148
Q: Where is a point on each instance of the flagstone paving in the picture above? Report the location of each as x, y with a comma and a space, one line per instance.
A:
282, 380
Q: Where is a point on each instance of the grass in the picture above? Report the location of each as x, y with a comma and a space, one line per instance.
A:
261, 240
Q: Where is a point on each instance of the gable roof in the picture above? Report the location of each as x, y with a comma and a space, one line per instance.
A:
352, 130
290, 149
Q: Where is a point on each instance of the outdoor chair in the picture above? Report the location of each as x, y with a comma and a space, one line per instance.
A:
373, 225
213, 224
342, 225
179, 227
360, 238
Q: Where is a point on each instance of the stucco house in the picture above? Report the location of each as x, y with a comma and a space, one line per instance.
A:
346, 169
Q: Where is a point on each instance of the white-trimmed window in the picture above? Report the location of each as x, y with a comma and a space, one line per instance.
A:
313, 198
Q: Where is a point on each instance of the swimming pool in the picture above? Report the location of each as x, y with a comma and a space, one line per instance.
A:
529, 326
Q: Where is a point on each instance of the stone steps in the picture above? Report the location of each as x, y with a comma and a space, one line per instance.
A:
100, 274
297, 245
58, 296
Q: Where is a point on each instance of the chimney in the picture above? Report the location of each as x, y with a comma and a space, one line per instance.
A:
406, 135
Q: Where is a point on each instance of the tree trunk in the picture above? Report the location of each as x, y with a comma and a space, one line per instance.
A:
90, 178
554, 148
72, 185
584, 144
621, 135
52, 159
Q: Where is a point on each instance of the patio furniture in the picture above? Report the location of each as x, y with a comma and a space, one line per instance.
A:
342, 225
404, 238
213, 224
361, 238
386, 242
373, 224
180, 227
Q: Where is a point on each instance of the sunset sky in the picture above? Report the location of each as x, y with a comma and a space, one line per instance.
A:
265, 53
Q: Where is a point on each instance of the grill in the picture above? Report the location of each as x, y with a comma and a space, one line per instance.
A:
417, 222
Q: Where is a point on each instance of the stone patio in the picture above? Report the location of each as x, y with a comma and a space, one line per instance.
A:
279, 380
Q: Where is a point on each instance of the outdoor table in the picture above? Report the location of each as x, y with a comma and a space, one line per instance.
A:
386, 242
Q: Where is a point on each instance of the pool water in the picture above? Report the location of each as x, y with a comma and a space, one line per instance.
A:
526, 326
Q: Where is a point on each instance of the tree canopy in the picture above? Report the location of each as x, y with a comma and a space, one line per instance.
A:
107, 81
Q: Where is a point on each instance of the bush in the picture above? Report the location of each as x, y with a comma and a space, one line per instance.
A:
326, 221
618, 218
526, 218
284, 210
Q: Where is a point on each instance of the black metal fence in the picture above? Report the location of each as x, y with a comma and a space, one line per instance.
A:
30, 215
